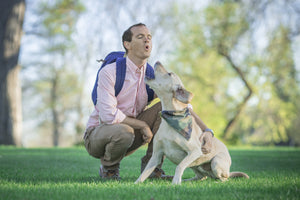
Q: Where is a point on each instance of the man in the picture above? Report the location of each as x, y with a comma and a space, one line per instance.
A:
120, 124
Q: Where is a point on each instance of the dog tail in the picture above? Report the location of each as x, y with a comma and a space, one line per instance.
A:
238, 174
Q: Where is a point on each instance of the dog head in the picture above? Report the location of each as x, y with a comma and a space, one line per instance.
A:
167, 84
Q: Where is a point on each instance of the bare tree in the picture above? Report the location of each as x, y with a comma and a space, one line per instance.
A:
11, 18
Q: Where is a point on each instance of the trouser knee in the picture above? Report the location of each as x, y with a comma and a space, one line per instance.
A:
118, 145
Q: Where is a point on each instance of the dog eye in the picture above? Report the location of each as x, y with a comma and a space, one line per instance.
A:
169, 74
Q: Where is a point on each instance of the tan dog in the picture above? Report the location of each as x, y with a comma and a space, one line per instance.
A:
181, 151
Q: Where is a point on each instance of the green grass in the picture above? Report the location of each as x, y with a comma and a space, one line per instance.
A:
70, 173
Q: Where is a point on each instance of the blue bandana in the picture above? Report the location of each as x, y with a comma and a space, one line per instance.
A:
181, 121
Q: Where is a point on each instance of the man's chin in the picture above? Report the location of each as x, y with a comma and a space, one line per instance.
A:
147, 54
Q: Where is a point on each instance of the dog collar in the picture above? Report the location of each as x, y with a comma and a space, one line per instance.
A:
181, 121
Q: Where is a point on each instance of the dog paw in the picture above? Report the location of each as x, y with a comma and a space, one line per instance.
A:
138, 181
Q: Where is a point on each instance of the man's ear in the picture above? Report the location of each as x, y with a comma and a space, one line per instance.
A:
126, 44
183, 95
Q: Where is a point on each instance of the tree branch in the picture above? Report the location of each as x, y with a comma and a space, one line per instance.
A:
223, 52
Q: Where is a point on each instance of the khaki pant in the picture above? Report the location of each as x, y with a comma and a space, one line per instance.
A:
111, 143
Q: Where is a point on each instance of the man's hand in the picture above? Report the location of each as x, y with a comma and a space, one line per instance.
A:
206, 140
141, 125
147, 134
206, 137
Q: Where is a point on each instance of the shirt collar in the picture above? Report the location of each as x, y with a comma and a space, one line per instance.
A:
132, 67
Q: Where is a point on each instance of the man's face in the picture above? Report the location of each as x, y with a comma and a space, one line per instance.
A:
141, 43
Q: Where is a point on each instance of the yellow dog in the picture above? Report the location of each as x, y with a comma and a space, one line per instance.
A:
179, 141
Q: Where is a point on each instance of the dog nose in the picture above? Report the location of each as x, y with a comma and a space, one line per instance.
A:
157, 64
159, 68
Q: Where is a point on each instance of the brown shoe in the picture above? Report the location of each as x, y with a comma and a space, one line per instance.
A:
109, 174
160, 174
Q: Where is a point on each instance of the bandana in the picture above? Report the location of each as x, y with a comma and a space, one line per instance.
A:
181, 121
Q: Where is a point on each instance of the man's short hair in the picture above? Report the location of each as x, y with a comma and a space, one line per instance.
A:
127, 35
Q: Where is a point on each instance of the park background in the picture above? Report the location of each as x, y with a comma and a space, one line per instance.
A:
240, 58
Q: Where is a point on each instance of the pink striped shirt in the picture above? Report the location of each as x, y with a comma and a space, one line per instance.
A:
131, 100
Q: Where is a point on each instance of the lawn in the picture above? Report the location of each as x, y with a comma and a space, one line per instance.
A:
70, 173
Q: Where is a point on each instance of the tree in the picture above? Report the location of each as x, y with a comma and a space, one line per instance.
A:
205, 53
11, 16
215, 49
225, 35
55, 81
248, 88
95, 33
274, 117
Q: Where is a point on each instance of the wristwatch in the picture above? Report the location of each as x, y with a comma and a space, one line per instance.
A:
210, 130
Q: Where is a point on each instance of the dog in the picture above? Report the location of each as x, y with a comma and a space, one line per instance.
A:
182, 145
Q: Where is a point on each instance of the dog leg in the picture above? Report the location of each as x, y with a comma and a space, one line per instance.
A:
153, 162
198, 175
189, 159
220, 167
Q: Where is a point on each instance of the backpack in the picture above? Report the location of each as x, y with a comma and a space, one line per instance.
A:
118, 57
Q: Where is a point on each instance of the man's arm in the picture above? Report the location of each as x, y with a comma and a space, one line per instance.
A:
106, 99
198, 120
141, 125
206, 137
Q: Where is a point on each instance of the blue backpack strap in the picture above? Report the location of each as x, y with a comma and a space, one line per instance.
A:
150, 74
94, 92
120, 74
118, 57
110, 58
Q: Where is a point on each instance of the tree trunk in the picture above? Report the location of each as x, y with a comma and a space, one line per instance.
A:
241, 106
11, 22
55, 113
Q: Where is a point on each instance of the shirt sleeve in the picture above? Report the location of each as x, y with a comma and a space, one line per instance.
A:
106, 99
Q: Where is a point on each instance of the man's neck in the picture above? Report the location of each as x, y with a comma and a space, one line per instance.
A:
138, 62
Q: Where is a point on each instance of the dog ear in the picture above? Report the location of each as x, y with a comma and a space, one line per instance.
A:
183, 95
